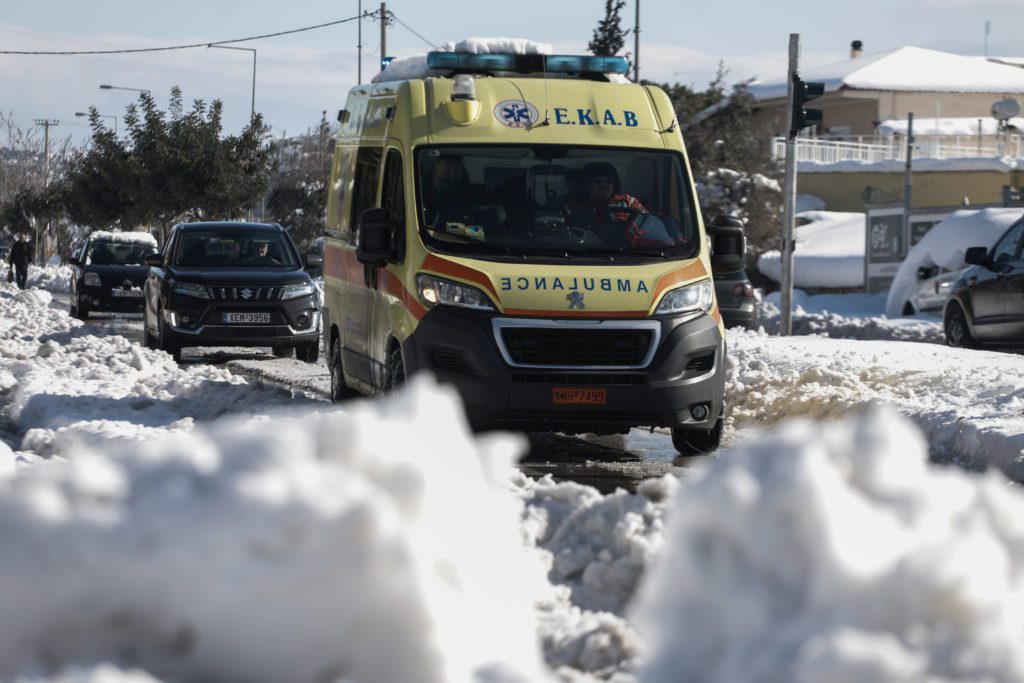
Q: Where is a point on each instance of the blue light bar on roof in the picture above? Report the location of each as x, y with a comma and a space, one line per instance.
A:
467, 62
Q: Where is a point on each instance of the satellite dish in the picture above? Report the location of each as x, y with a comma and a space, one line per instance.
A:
1005, 109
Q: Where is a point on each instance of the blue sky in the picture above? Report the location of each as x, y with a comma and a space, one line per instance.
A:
301, 75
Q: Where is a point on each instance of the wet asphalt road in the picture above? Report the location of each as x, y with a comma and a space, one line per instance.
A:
604, 462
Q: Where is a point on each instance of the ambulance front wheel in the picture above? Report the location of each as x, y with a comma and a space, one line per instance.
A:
690, 442
396, 367
339, 390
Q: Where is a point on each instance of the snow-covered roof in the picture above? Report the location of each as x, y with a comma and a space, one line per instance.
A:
908, 69
126, 237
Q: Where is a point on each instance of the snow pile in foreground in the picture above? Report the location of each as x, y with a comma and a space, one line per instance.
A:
333, 547
834, 553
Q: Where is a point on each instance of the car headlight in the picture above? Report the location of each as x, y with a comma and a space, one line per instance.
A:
192, 289
695, 297
434, 291
302, 289
92, 280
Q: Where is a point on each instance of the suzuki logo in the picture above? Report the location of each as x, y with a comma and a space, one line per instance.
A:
246, 293
575, 301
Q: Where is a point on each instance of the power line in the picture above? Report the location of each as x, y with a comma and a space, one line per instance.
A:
409, 28
176, 47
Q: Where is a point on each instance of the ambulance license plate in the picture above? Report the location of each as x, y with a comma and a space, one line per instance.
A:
247, 318
588, 396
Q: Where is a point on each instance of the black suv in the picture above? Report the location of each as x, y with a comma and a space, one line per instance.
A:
986, 307
232, 284
108, 272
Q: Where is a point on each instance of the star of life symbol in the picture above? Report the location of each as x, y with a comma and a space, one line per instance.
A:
246, 293
516, 113
575, 301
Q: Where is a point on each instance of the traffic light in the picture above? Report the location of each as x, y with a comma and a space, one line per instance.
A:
804, 91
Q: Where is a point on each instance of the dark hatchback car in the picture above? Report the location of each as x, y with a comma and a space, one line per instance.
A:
736, 300
108, 272
232, 284
986, 306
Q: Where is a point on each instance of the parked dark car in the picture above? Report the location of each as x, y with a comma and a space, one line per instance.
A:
232, 284
736, 300
108, 272
986, 306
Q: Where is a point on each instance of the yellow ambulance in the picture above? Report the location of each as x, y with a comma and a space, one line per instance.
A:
525, 227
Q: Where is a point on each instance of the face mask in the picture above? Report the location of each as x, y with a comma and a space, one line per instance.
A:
447, 186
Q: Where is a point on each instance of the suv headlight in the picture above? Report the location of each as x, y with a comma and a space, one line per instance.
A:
434, 291
695, 297
302, 289
192, 289
92, 280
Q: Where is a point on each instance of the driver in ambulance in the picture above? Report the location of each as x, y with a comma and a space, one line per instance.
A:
603, 194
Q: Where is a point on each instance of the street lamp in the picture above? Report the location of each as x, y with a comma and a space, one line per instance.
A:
252, 113
118, 87
80, 114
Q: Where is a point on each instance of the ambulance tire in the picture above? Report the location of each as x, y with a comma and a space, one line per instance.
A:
339, 390
396, 368
690, 442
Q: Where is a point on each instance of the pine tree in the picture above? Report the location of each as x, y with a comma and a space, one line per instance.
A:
609, 37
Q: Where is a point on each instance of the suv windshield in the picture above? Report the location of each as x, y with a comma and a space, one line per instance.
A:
109, 253
234, 249
555, 200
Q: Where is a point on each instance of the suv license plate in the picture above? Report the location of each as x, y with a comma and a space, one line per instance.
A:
562, 396
258, 318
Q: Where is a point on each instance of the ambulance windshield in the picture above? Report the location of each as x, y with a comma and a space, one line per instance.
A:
555, 200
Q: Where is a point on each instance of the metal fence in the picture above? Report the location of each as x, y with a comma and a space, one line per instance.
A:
870, 150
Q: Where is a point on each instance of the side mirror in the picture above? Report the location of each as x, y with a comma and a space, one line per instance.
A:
154, 260
74, 261
728, 244
976, 256
373, 248
314, 261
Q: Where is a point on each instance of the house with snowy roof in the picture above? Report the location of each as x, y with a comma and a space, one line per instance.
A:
857, 154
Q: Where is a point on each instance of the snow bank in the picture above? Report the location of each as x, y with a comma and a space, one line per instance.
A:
944, 245
326, 548
829, 251
53, 278
849, 316
833, 553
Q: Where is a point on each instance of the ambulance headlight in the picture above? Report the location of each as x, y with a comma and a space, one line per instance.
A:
434, 291
695, 297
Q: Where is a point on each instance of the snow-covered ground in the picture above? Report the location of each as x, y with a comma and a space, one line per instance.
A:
178, 523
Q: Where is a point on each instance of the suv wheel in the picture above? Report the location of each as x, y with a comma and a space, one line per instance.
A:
171, 347
957, 332
150, 341
308, 353
78, 310
283, 351
339, 390
691, 442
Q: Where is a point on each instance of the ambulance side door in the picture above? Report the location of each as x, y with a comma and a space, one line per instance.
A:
357, 315
388, 282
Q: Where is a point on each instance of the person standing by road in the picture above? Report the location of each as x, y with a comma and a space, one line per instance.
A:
19, 258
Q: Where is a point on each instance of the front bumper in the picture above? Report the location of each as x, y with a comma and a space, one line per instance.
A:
686, 369
201, 322
109, 299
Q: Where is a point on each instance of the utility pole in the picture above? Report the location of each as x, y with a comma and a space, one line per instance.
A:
359, 45
789, 197
908, 177
383, 33
636, 45
45, 123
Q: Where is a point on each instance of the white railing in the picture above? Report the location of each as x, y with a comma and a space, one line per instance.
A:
872, 150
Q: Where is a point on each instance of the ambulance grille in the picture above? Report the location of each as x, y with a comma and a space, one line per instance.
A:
577, 347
